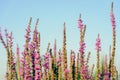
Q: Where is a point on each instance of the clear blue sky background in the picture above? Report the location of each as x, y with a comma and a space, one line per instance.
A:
15, 14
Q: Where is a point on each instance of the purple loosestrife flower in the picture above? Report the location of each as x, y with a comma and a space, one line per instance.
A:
37, 60
35, 38
82, 47
111, 70
106, 70
59, 58
80, 24
34, 51
11, 55
112, 20
83, 68
27, 56
46, 61
32, 45
27, 36
98, 49
37, 67
59, 62
27, 75
22, 67
85, 73
10, 40
98, 44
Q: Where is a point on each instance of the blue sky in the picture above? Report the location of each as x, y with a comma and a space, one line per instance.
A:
15, 14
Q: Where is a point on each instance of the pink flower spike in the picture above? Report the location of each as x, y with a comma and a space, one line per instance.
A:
112, 17
82, 47
112, 20
80, 23
98, 44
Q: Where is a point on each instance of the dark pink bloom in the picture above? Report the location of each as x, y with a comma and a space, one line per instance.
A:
46, 56
27, 36
80, 24
46, 61
98, 44
85, 73
37, 56
10, 39
82, 47
113, 20
37, 67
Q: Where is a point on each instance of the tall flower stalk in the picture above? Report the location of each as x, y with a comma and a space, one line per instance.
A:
18, 63
98, 49
64, 54
55, 49
11, 72
106, 69
83, 68
59, 60
77, 67
36, 60
114, 40
72, 65
26, 55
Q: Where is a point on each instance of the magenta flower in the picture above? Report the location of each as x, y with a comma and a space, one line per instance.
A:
82, 47
80, 24
27, 36
27, 75
46, 56
37, 67
35, 35
10, 40
85, 73
98, 44
113, 20
46, 61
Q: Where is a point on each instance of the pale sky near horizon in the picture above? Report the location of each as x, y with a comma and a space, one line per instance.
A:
15, 14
